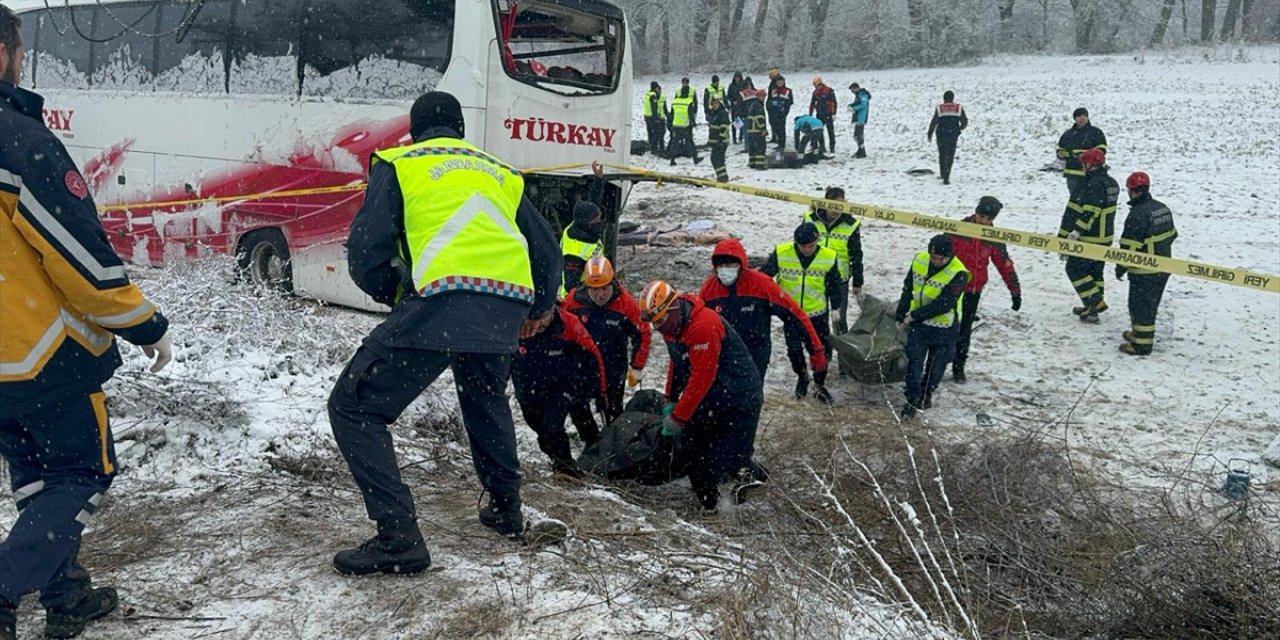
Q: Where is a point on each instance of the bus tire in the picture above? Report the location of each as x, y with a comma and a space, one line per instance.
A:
263, 259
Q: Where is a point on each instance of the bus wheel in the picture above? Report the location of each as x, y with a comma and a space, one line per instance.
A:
263, 258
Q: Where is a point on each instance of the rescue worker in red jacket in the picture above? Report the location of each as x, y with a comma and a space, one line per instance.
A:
554, 370
714, 391
64, 299
749, 300
823, 106
976, 254
612, 318
810, 273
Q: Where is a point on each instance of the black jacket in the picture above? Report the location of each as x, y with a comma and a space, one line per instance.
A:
1148, 229
562, 362
574, 265
718, 126
837, 292
1076, 141
459, 321
1092, 209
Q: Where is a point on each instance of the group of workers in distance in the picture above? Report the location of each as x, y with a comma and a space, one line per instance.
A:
472, 273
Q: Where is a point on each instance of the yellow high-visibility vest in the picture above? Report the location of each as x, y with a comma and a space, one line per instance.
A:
806, 285
926, 289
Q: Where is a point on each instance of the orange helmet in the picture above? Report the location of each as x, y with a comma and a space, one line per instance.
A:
656, 300
598, 273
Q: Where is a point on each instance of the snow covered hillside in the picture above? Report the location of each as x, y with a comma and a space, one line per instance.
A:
1202, 122
233, 498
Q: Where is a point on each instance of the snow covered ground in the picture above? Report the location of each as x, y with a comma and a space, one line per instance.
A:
233, 498
1202, 122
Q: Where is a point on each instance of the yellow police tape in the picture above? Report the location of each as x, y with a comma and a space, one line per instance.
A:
1044, 242
289, 193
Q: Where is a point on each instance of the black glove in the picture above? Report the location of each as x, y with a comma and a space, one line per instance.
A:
1017, 301
1120, 271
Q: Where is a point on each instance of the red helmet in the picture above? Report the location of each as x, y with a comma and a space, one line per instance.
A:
1138, 179
1093, 157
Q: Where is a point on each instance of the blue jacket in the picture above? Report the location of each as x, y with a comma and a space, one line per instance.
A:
813, 122
861, 104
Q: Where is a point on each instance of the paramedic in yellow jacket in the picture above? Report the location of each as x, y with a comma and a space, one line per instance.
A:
64, 297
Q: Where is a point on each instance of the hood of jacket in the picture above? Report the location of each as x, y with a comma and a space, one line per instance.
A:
730, 247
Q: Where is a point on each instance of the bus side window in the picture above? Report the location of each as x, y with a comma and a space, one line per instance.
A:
62, 59
376, 49
264, 48
125, 61
190, 49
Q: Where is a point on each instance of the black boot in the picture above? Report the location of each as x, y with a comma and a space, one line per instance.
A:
907, 412
957, 373
398, 548
8, 621
69, 619
802, 385
503, 516
862, 153
928, 401
567, 468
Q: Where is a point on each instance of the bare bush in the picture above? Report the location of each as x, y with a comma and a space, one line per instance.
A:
1009, 536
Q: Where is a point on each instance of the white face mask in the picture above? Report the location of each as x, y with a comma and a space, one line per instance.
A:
728, 274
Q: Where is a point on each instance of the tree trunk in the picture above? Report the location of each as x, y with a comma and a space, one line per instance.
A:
738, 7
1229, 20
1184, 20
918, 15
762, 12
1248, 30
1085, 13
1162, 25
666, 43
725, 42
1208, 9
818, 10
788, 10
1006, 18
701, 28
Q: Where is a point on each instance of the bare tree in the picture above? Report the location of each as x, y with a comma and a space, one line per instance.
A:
818, 10
1229, 20
1208, 11
738, 7
1086, 16
762, 12
1162, 24
1006, 18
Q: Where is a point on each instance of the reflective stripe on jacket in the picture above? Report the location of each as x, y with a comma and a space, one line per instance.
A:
807, 286
926, 288
460, 220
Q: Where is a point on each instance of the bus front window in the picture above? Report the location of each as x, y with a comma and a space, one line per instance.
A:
567, 46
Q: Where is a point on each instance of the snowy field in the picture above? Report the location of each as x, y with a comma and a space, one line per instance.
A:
233, 498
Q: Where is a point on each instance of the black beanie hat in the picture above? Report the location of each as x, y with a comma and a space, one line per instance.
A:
806, 233
653, 86
584, 212
940, 245
989, 206
1079, 112
435, 109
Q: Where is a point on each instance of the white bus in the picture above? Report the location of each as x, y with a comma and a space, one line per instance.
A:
226, 102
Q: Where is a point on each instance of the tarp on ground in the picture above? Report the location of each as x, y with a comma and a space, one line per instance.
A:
874, 351
632, 447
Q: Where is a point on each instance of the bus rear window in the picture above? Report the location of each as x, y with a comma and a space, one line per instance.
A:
567, 46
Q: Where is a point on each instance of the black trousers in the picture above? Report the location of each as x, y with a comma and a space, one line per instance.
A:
756, 149
842, 327
1086, 279
929, 351
830, 123
657, 129
857, 134
717, 162
796, 341
1145, 293
374, 390
946, 155
61, 461
615, 390
719, 441
682, 143
1073, 183
545, 414
811, 142
969, 311
778, 129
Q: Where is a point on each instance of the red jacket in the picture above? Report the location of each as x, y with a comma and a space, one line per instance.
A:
751, 303
823, 102
563, 356
710, 368
975, 254
613, 326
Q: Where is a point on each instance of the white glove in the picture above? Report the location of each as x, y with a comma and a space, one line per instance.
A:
162, 351
1074, 235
